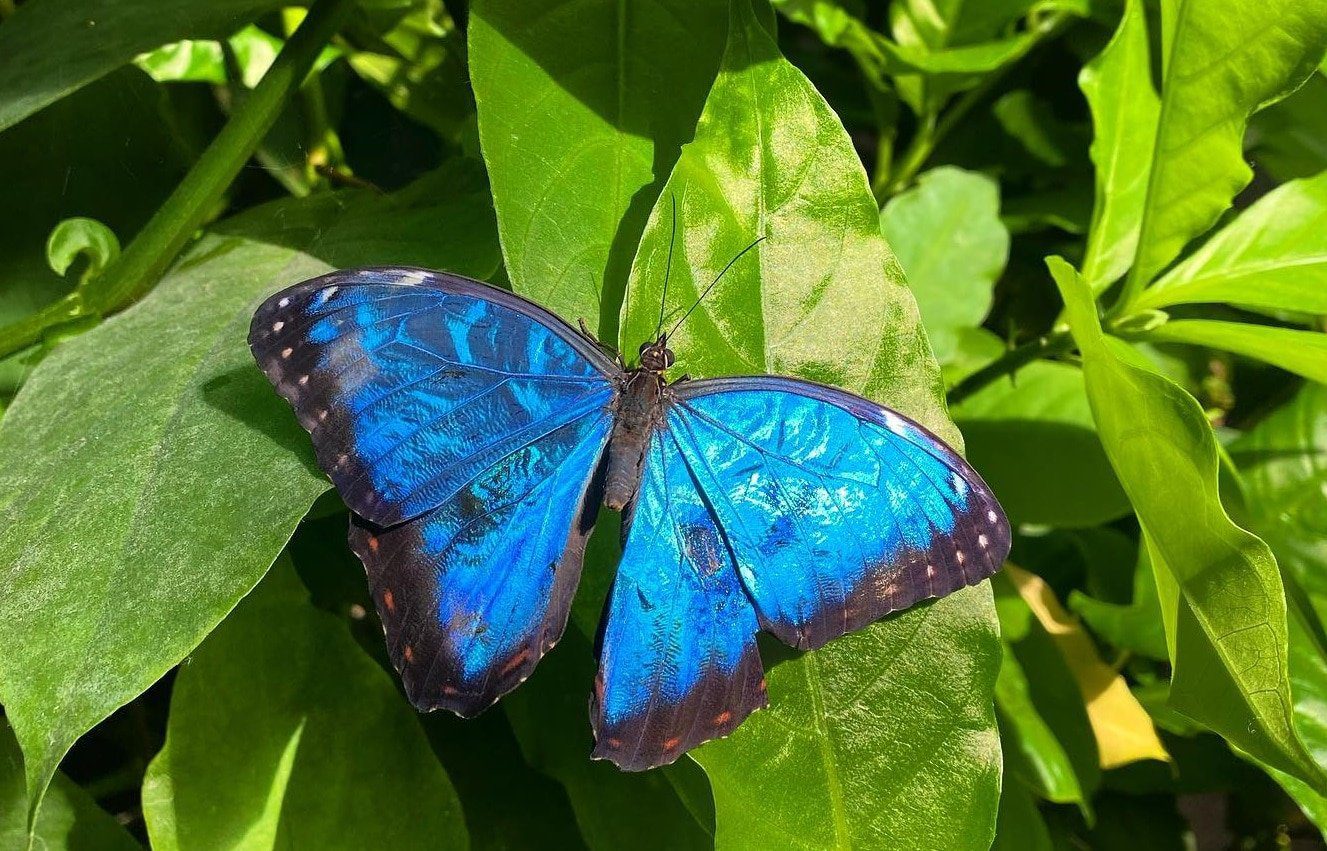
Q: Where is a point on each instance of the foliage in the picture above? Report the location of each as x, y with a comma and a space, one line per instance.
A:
1090, 232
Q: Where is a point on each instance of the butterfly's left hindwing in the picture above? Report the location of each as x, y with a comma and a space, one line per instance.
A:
678, 663
463, 425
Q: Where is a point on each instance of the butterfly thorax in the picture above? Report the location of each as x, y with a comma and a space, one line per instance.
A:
639, 409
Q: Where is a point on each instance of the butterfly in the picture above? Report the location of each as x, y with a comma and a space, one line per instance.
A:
474, 435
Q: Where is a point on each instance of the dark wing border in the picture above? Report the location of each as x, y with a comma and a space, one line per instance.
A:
446, 282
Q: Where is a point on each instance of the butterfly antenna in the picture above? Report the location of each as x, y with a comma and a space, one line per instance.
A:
668, 269
714, 282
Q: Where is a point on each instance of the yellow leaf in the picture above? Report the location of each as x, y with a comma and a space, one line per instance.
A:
1123, 729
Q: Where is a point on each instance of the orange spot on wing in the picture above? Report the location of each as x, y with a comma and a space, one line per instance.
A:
449, 690
672, 743
373, 543
516, 661
389, 600
723, 717
408, 653
614, 743
762, 683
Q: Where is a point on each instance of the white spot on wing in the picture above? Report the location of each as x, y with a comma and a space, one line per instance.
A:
960, 485
894, 423
285, 302
277, 326
991, 516
983, 541
748, 577
958, 554
285, 353
327, 294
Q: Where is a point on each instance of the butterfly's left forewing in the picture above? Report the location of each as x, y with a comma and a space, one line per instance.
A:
463, 426
825, 510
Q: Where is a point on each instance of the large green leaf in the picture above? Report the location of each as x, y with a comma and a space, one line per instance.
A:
1221, 62
1273, 255
70, 820
1033, 440
54, 47
1226, 605
1301, 352
148, 474
1284, 465
582, 109
283, 733
860, 734
1125, 106
948, 237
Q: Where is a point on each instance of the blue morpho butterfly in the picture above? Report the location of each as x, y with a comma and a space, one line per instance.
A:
474, 435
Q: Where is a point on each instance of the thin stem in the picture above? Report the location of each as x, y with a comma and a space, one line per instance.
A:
1047, 346
174, 224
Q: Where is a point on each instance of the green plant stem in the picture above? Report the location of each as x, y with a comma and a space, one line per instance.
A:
931, 132
1057, 343
160, 241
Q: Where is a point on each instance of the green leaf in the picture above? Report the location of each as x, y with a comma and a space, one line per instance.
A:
1219, 583
1290, 137
947, 235
1033, 754
1032, 438
1060, 760
1283, 461
1222, 62
55, 47
148, 473
283, 733
1125, 108
84, 237
1273, 255
1300, 352
582, 110
69, 820
891, 713
1135, 626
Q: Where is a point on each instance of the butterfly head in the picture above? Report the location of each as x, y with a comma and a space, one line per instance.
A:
656, 357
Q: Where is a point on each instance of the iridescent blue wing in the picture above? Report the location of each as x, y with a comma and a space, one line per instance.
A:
778, 504
837, 510
678, 662
463, 425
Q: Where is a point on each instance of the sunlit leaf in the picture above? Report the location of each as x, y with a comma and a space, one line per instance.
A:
947, 235
1219, 585
1273, 255
1125, 107
1221, 61
582, 110
1300, 352
878, 717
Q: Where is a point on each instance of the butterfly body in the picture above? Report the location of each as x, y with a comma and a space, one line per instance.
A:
638, 411
474, 435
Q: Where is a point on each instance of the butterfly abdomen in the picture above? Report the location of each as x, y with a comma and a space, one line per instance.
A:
638, 412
